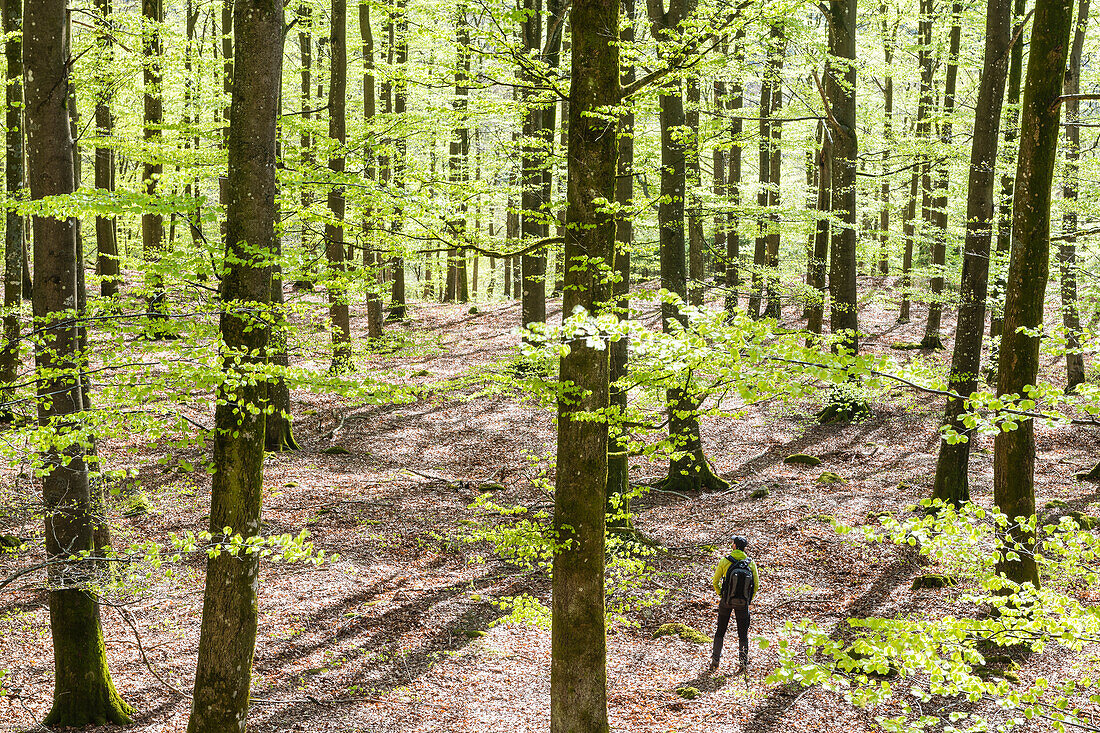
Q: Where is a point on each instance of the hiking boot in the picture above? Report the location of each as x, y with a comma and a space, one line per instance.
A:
713, 665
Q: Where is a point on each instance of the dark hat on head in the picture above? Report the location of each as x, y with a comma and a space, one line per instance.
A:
740, 542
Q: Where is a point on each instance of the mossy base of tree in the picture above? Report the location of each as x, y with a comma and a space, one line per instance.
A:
932, 342
932, 581
83, 691
683, 631
279, 438
1093, 474
846, 404
697, 477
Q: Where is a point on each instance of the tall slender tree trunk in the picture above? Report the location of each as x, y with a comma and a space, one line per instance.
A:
459, 159
1067, 250
398, 308
106, 227
733, 181
819, 258
695, 207
689, 469
335, 249
1029, 269
932, 338
764, 169
909, 232
13, 181
951, 482
1008, 178
308, 161
889, 40
533, 296
918, 184
370, 256
775, 172
152, 224
228, 636
578, 656
83, 691
618, 460
840, 89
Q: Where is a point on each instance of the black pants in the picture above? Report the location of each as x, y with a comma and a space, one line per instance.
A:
742, 616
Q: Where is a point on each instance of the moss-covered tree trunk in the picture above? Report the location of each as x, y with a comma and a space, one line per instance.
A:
578, 661
335, 249
228, 635
152, 223
951, 482
932, 327
1029, 269
13, 183
83, 691
1008, 178
840, 88
1067, 250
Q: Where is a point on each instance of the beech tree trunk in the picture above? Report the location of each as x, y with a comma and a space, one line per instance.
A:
228, 635
840, 88
733, 182
459, 159
775, 170
106, 227
932, 338
398, 307
695, 208
578, 657
819, 259
1029, 269
83, 692
1067, 250
689, 469
618, 461
152, 224
371, 263
1008, 178
951, 482
335, 248
13, 182
889, 40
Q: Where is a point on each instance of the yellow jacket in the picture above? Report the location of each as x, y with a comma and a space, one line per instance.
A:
724, 565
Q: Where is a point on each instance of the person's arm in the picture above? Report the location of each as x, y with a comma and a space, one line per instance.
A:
719, 574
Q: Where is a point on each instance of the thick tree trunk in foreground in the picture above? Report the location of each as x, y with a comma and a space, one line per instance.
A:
840, 88
951, 483
83, 691
1029, 269
228, 636
13, 182
1067, 251
335, 249
578, 661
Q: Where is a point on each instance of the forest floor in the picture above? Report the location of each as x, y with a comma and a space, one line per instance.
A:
403, 632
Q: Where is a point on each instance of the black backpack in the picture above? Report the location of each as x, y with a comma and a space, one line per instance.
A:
737, 585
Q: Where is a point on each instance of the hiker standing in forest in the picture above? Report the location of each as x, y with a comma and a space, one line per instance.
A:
736, 581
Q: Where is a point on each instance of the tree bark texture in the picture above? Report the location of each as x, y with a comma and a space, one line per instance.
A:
335, 249
13, 182
1029, 268
578, 666
83, 691
228, 635
951, 482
